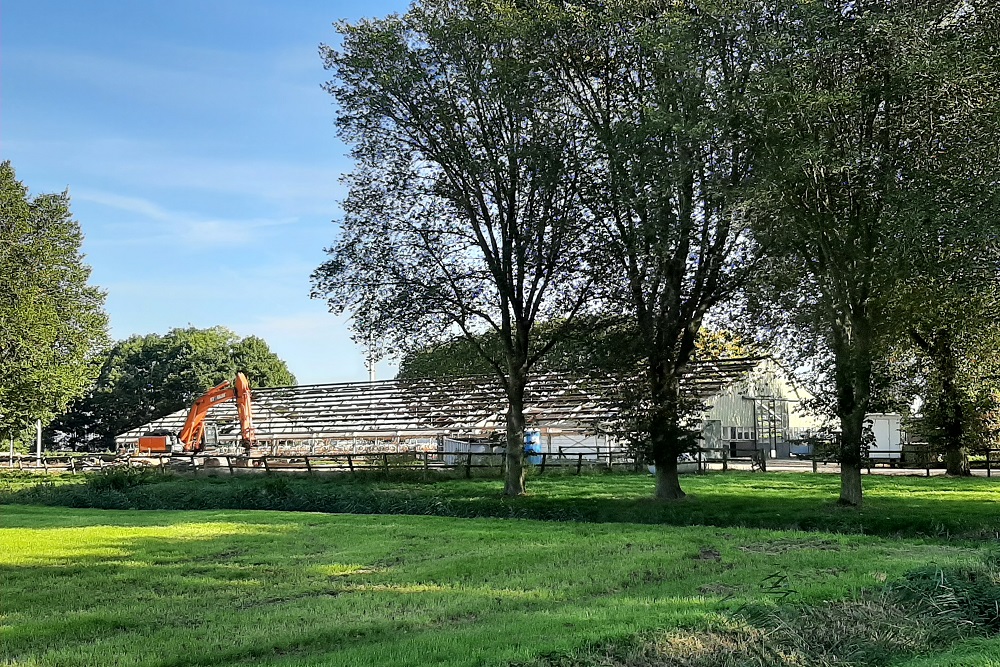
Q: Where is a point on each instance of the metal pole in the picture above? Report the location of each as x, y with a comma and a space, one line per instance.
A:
12, 452
38, 441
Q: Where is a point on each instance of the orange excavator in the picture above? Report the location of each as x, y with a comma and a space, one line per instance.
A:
189, 439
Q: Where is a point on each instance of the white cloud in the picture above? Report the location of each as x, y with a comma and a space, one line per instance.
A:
184, 227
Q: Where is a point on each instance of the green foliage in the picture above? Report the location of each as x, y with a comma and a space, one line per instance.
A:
120, 479
952, 332
590, 345
147, 377
88, 587
52, 322
463, 210
877, 149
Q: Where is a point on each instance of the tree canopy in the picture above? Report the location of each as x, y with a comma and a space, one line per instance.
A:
147, 377
594, 346
52, 321
877, 117
660, 90
463, 212
527, 173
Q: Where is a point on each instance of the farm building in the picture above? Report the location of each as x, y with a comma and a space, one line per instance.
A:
761, 410
570, 414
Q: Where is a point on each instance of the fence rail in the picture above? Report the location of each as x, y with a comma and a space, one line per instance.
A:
465, 461
320, 463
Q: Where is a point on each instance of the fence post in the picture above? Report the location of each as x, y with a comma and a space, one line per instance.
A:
385, 461
725, 458
541, 470
229, 463
468, 465
579, 462
161, 463
194, 464
267, 468
988, 471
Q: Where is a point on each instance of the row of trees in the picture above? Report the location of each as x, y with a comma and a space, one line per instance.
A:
52, 322
143, 378
55, 360
523, 169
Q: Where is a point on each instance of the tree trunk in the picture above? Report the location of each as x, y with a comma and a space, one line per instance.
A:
952, 417
851, 440
665, 434
850, 484
514, 481
957, 462
668, 484
853, 373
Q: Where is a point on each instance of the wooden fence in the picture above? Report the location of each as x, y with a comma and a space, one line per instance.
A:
575, 462
325, 463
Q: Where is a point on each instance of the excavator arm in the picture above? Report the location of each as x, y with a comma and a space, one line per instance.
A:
194, 426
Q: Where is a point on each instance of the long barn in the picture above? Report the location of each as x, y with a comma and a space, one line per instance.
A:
433, 414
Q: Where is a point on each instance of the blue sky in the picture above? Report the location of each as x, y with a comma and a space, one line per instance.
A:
200, 156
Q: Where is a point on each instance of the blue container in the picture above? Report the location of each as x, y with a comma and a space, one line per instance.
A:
533, 446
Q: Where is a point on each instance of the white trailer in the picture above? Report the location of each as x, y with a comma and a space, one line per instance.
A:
889, 437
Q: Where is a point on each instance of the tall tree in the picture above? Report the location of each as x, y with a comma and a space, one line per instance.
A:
52, 322
861, 112
948, 309
659, 88
147, 377
463, 213
956, 332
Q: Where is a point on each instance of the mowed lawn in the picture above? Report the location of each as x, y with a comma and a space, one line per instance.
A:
105, 587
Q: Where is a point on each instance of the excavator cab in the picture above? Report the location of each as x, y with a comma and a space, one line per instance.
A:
159, 442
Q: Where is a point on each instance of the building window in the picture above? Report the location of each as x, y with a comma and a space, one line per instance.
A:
740, 433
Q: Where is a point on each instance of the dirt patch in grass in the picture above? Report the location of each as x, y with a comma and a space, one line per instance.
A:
781, 546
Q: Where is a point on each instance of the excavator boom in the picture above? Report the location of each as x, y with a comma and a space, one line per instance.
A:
194, 426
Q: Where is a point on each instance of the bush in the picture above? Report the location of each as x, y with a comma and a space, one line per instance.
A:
121, 479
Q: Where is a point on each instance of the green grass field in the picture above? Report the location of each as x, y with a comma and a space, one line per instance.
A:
221, 587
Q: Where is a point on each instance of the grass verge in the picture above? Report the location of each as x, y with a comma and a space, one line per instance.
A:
894, 506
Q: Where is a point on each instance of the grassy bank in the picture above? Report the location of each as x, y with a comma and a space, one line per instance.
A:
267, 588
894, 506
